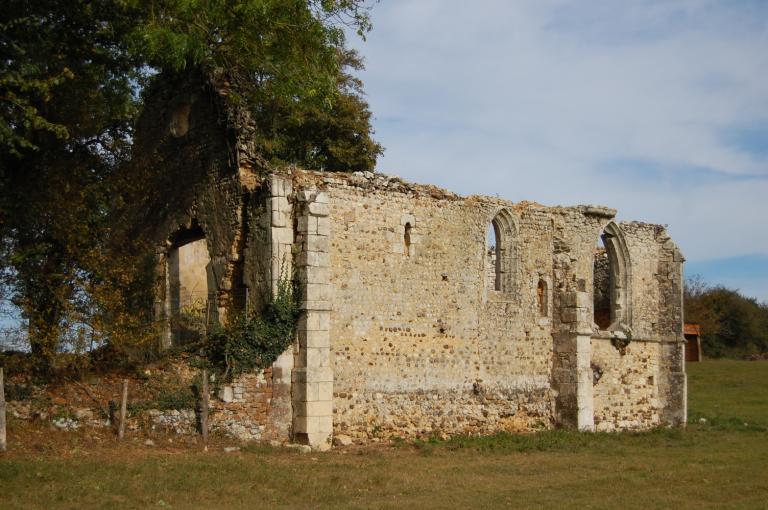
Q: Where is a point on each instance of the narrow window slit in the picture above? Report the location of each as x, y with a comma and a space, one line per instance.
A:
407, 239
542, 298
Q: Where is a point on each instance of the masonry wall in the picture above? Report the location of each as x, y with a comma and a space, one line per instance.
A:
420, 345
423, 345
194, 173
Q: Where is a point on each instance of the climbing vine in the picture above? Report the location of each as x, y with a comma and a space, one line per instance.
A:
252, 341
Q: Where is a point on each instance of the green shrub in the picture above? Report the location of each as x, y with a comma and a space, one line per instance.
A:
180, 397
254, 341
18, 392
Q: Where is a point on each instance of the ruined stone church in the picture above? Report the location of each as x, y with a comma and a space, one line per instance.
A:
423, 312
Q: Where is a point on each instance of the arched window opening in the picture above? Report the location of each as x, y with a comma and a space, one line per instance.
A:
542, 296
498, 261
491, 258
190, 285
611, 280
407, 239
602, 287
501, 252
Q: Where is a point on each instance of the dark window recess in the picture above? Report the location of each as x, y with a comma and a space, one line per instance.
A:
407, 239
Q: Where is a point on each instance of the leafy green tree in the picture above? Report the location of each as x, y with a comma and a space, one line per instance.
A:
732, 324
71, 72
334, 136
67, 106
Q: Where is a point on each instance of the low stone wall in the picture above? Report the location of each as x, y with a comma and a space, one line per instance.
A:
255, 406
177, 421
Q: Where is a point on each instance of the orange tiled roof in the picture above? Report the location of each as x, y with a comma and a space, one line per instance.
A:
691, 329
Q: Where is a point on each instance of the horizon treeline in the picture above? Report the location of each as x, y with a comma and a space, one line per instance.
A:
732, 325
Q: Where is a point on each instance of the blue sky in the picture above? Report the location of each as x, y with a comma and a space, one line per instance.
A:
656, 108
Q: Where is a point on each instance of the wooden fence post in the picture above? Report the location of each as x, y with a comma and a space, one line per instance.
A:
204, 410
123, 410
3, 443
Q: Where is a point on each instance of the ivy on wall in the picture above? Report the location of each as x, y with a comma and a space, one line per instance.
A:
252, 341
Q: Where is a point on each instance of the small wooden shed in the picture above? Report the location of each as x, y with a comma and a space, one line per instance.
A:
692, 333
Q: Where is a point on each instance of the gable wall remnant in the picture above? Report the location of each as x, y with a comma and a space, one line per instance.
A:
195, 170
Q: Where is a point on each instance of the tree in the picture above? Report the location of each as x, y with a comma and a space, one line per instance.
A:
294, 77
67, 105
71, 73
731, 324
329, 136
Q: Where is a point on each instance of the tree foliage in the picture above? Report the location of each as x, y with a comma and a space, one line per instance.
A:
249, 340
333, 135
731, 324
71, 75
67, 106
295, 76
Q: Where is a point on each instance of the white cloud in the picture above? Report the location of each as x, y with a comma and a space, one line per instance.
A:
538, 99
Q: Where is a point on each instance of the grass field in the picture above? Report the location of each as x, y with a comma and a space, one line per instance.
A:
719, 461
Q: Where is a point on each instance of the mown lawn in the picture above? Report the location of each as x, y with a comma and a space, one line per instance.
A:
718, 462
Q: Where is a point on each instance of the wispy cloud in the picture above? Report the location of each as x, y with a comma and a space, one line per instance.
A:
657, 108
671, 177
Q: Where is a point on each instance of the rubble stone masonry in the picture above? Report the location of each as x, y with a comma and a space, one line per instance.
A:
412, 323
422, 344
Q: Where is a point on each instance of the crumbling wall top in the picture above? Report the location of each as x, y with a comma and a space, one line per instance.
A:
370, 181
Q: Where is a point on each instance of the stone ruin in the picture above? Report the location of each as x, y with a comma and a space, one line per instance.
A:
423, 312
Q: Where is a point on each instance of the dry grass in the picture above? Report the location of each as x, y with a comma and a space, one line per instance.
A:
721, 463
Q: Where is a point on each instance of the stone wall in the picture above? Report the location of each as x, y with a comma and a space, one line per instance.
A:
243, 409
422, 344
195, 174
625, 385
410, 326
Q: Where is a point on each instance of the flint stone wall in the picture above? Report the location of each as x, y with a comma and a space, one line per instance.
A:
423, 345
403, 332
